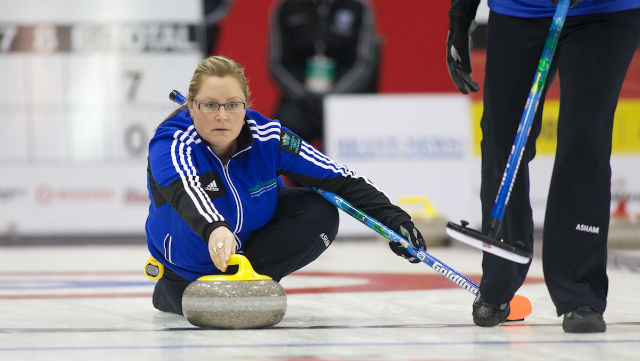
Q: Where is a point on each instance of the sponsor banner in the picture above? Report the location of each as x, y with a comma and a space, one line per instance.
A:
50, 200
415, 146
626, 127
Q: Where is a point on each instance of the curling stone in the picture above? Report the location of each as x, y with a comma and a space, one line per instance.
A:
245, 299
427, 219
624, 228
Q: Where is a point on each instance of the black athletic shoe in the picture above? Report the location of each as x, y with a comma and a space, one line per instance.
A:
583, 320
487, 314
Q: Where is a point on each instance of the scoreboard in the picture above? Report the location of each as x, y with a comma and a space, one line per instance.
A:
84, 85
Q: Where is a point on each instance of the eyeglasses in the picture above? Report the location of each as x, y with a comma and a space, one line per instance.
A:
211, 107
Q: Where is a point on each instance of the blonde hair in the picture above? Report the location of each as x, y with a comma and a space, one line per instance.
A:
218, 66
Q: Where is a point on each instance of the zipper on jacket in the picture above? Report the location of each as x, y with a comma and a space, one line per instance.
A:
236, 196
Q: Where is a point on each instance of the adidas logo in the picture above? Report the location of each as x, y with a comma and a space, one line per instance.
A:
212, 187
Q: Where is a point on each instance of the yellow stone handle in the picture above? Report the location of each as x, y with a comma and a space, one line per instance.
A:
245, 271
428, 210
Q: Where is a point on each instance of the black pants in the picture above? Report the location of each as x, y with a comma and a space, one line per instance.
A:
303, 226
591, 60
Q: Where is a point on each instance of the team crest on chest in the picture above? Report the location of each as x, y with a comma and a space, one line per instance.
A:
290, 142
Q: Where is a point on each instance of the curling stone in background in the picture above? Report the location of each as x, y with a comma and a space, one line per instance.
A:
242, 300
624, 228
427, 219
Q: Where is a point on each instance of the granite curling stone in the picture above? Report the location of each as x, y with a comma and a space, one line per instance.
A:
427, 219
242, 300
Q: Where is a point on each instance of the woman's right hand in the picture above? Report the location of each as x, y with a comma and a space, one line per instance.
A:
222, 244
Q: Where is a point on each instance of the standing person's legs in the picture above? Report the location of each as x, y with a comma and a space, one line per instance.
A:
513, 52
303, 226
594, 58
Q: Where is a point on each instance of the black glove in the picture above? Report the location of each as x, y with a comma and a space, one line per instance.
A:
573, 2
411, 234
458, 57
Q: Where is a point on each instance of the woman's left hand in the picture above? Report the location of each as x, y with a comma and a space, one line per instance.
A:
409, 231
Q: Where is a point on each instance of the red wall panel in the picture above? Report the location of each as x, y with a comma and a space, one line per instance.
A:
414, 34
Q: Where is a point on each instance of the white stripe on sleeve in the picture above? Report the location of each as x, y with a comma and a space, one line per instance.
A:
191, 181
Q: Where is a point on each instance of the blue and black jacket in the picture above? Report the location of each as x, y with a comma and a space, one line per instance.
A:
541, 8
192, 191
544, 8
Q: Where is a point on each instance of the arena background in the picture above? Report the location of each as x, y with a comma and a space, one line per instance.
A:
85, 84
